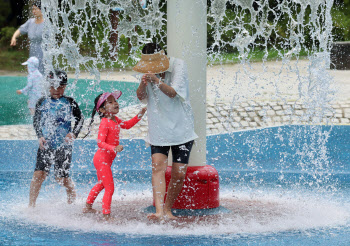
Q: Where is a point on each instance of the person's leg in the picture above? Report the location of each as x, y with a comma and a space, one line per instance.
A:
178, 174
108, 183
63, 158
35, 186
70, 188
159, 165
181, 155
42, 168
94, 193
91, 198
31, 106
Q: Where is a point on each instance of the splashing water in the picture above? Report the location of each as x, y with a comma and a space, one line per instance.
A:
298, 78
249, 28
242, 27
71, 44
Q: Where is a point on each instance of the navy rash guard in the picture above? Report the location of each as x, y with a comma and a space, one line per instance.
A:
53, 119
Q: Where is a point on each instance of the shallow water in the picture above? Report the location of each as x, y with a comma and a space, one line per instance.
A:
14, 107
269, 214
272, 202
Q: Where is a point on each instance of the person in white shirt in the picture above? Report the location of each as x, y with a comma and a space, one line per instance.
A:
164, 86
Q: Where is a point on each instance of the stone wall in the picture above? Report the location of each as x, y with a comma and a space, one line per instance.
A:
223, 117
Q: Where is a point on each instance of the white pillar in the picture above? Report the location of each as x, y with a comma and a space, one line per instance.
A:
187, 39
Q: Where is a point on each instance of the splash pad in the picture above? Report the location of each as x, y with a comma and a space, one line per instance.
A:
284, 185
274, 203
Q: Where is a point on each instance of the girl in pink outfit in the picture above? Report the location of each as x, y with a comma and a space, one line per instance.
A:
107, 106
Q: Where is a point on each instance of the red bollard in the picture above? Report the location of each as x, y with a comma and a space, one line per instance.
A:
200, 189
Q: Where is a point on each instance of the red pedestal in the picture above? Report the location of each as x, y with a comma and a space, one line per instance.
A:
200, 189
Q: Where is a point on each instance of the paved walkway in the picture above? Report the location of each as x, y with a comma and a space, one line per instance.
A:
222, 118
246, 97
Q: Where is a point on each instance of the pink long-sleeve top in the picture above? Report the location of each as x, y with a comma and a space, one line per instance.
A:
108, 133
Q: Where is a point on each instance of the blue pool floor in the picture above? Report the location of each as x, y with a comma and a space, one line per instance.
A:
267, 215
279, 185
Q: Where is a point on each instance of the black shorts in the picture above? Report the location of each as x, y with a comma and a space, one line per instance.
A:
181, 152
61, 158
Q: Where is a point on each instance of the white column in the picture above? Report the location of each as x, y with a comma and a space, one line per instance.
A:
187, 39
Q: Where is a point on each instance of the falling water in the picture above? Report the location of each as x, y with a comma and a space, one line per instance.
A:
82, 36
294, 82
242, 27
71, 44
238, 26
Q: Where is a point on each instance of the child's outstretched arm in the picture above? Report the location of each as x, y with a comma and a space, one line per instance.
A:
127, 124
27, 88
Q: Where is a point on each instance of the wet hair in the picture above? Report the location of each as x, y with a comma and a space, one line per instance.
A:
59, 75
94, 112
37, 3
151, 48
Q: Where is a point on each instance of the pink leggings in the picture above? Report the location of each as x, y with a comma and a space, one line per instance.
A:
105, 181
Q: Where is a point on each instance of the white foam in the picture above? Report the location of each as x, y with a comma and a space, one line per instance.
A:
263, 213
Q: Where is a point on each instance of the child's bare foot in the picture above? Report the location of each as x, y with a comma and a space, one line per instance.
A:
169, 216
155, 217
31, 205
71, 197
108, 218
88, 209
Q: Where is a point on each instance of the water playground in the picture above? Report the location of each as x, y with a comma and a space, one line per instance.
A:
275, 182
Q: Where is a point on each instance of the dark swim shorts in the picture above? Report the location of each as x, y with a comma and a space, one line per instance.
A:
181, 152
61, 158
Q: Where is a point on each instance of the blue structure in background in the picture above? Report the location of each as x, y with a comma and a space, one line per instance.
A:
271, 149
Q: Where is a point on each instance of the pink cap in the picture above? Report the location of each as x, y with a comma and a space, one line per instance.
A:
116, 94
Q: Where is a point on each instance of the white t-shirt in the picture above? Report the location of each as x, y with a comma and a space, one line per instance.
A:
170, 120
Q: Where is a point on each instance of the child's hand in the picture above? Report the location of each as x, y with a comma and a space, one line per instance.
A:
42, 143
69, 138
119, 148
142, 112
19, 92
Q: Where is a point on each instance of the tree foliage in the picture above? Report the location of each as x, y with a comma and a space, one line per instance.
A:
340, 17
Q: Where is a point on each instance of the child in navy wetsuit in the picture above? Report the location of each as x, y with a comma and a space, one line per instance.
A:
107, 106
52, 121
